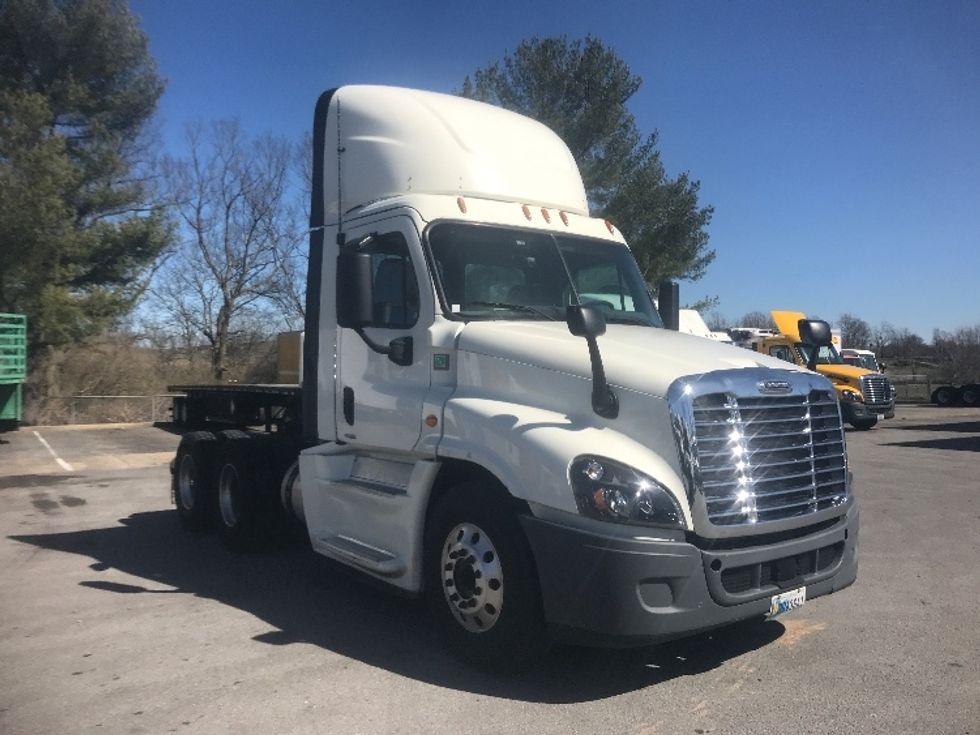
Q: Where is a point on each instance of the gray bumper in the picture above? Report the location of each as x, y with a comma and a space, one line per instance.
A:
606, 590
851, 411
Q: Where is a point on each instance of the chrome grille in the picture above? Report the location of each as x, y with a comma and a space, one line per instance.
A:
761, 449
875, 389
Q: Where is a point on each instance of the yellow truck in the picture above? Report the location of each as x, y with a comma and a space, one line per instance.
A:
865, 396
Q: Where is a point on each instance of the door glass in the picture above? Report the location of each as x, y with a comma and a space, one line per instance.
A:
396, 290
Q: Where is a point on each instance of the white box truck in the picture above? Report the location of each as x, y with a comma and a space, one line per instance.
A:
492, 416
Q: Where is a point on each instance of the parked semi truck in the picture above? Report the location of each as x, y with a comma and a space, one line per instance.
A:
13, 369
492, 416
866, 396
861, 358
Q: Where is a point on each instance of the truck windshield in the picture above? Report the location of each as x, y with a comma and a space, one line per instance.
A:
487, 272
827, 355
867, 362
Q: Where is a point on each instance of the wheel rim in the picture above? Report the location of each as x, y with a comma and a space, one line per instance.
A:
227, 494
473, 580
186, 481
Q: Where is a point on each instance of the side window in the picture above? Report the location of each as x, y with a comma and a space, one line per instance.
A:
782, 352
396, 289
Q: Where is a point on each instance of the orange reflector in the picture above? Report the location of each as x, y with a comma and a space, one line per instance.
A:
431, 421
461, 203
610, 227
546, 214
527, 211
564, 217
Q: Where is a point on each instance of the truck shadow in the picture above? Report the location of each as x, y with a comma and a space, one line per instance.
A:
307, 599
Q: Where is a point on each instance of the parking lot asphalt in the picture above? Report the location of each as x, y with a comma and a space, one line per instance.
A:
114, 619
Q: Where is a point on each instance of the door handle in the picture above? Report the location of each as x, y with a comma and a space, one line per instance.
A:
349, 406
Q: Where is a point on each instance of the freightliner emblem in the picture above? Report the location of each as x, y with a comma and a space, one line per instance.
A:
774, 386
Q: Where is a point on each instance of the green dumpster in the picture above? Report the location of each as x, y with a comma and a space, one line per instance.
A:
13, 368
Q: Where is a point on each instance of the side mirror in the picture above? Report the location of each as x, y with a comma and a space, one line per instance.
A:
585, 321
815, 333
355, 286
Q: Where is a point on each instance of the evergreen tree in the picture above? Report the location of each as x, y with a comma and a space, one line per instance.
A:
77, 230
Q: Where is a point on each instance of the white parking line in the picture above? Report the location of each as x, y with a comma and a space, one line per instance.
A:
61, 463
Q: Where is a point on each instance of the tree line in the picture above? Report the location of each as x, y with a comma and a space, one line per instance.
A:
956, 353
210, 242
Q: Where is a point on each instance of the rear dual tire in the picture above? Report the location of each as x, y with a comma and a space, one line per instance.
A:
225, 481
192, 480
970, 395
945, 395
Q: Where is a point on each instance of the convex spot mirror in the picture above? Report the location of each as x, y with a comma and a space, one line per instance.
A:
814, 332
585, 321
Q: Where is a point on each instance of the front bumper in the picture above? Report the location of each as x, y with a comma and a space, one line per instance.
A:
607, 590
853, 410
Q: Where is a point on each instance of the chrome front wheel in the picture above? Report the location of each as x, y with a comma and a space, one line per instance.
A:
473, 580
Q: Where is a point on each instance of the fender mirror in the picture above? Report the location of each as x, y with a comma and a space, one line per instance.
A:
814, 333
588, 322
585, 321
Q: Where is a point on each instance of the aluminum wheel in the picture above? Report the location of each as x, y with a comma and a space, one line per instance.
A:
473, 579
186, 480
228, 492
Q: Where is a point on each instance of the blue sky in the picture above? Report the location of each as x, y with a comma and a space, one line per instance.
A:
839, 142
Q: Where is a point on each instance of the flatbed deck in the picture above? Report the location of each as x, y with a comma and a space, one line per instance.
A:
239, 404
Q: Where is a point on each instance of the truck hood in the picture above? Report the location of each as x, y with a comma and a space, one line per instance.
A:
644, 359
844, 373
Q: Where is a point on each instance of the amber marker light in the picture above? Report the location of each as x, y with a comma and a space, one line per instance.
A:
564, 218
611, 227
431, 421
461, 203
527, 211
546, 214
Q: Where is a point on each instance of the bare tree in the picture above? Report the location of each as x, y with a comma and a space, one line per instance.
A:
755, 319
855, 332
959, 353
231, 195
292, 257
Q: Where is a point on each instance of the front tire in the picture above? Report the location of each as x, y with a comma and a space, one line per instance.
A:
864, 424
480, 579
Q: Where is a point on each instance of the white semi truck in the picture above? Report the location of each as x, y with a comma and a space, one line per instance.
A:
492, 416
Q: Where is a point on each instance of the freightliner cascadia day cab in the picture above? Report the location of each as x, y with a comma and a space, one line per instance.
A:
492, 416
866, 396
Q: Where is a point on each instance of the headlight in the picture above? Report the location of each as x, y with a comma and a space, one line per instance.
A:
850, 395
611, 491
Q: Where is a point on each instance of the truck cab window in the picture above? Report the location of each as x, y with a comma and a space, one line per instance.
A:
396, 289
782, 352
826, 355
486, 272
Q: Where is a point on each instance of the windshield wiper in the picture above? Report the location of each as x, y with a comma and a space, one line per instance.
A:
514, 307
629, 320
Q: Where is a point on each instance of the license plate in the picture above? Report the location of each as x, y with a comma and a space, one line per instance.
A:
881, 417
786, 601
